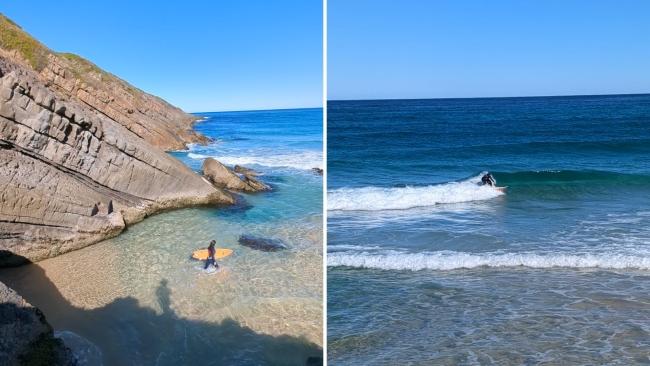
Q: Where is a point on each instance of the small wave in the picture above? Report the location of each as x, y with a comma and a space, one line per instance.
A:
402, 198
449, 260
302, 161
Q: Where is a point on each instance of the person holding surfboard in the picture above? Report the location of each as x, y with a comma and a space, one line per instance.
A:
210, 259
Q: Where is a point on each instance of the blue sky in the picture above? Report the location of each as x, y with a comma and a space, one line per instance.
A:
473, 48
198, 55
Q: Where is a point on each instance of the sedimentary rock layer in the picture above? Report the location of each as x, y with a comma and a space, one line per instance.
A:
76, 170
149, 117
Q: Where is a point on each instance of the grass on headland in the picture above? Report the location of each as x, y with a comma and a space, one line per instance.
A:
12, 37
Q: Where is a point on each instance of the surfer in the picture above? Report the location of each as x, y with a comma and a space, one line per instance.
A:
210, 260
489, 180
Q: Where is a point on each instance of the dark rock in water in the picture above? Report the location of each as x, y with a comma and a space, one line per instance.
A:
26, 337
263, 244
318, 171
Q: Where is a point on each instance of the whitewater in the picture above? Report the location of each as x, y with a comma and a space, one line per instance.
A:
402, 198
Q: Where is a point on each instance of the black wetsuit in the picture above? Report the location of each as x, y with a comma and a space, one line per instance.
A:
487, 179
211, 260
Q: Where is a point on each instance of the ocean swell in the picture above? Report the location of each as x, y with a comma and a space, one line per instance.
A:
570, 177
402, 198
450, 260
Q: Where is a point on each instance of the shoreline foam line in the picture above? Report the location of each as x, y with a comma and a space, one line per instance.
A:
448, 260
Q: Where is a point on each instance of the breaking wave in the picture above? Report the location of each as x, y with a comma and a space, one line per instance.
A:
450, 260
402, 198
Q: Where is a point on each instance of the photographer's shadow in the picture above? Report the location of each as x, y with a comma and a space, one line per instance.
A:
135, 335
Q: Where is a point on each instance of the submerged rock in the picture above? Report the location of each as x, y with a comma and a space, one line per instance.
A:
263, 244
223, 177
318, 171
25, 336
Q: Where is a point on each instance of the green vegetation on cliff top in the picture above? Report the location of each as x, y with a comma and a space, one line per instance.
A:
12, 37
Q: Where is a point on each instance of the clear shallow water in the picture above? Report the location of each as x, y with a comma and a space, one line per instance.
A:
407, 221
138, 299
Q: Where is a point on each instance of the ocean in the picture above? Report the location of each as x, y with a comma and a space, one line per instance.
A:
138, 299
427, 267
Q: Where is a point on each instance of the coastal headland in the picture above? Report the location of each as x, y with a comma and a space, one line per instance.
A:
82, 152
82, 157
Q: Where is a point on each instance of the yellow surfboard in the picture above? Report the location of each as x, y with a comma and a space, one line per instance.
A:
202, 254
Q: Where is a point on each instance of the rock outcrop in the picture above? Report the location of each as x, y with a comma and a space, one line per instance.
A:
25, 336
75, 171
223, 177
147, 116
245, 171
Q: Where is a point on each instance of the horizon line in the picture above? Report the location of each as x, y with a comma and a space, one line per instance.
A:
256, 110
496, 97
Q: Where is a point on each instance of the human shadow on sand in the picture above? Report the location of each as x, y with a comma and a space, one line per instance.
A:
130, 334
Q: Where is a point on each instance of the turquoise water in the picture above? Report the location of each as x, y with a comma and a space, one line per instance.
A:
426, 266
138, 299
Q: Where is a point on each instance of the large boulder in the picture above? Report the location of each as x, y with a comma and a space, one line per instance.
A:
25, 336
223, 177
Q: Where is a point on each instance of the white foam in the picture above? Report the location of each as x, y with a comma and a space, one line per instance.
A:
303, 160
378, 198
449, 260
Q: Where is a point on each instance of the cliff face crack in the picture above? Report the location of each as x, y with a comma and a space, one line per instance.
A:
34, 224
138, 159
83, 179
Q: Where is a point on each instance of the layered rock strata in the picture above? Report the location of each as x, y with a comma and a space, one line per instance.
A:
76, 166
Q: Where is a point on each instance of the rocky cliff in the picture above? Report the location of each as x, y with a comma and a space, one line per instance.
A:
147, 116
81, 152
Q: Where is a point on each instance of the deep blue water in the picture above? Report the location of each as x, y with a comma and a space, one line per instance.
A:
425, 265
284, 145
